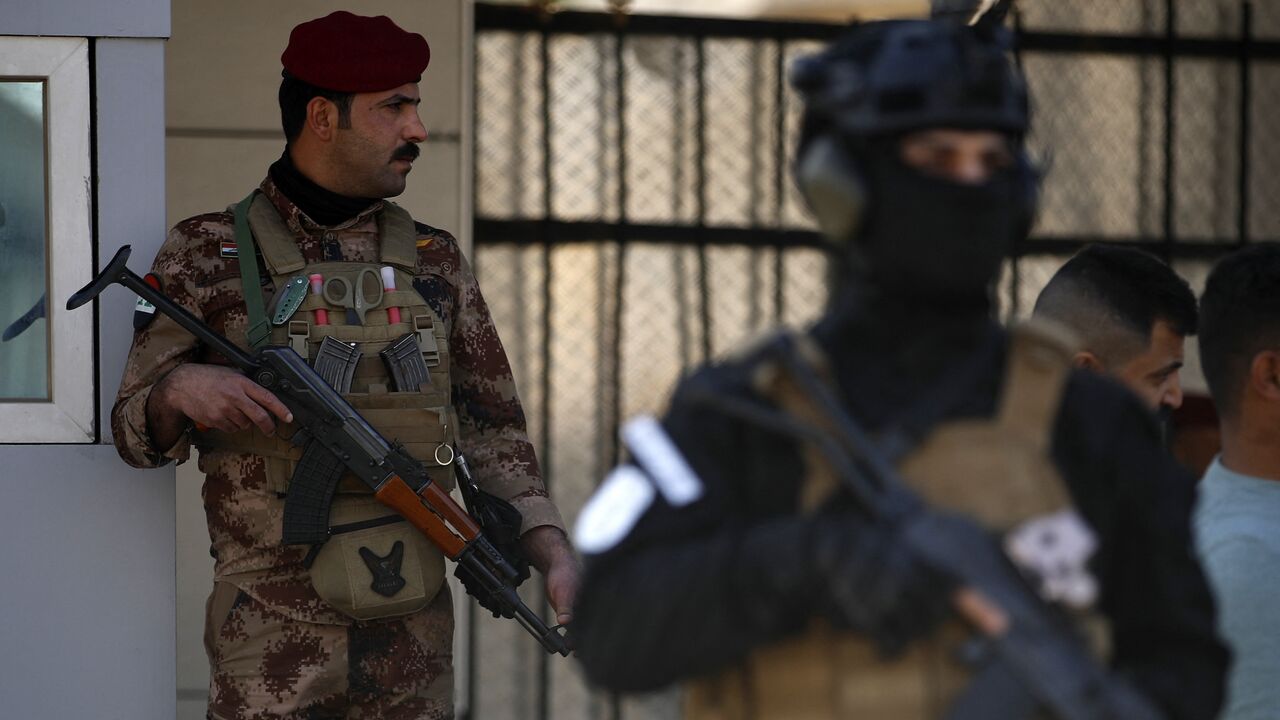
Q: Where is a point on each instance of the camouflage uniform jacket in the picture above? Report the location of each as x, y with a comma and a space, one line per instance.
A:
244, 515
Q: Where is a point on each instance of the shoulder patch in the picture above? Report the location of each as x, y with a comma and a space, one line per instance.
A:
613, 510
654, 450
428, 235
143, 311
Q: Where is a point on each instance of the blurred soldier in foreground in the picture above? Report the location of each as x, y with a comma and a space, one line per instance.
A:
822, 528
1131, 314
1238, 518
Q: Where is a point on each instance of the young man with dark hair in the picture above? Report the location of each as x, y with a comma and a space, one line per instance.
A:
1238, 517
1131, 314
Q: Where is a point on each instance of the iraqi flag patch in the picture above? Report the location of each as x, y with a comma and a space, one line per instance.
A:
144, 312
229, 250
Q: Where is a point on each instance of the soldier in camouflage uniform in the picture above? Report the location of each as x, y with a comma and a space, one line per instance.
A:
276, 648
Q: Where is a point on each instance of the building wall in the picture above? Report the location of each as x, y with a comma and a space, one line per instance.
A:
86, 548
223, 131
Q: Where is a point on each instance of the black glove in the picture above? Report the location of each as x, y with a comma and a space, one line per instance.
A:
500, 522
476, 590
875, 584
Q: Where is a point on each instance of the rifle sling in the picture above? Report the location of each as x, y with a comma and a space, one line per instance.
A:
258, 329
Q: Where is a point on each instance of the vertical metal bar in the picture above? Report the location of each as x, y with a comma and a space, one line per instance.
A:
1019, 242
603, 381
473, 639
780, 171
755, 175
519, 170
704, 290
615, 701
606, 442
1143, 207
1246, 98
1170, 169
603, 83
620, 90
468, 606
544, 680
677, 206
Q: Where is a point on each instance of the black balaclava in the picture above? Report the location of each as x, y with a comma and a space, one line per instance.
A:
904, 238
931, 238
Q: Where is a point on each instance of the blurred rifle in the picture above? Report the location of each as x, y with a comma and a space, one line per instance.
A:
1032, 658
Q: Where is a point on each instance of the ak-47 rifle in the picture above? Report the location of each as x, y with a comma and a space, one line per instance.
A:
1031, 661
329, 428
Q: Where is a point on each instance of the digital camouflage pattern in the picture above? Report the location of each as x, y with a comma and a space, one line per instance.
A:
267, 665
244, 511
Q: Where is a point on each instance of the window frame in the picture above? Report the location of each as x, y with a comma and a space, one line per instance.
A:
69, 415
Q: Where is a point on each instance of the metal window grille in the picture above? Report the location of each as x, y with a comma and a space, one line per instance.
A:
635, 214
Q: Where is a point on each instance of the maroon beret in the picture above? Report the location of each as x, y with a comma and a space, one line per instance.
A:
351, 53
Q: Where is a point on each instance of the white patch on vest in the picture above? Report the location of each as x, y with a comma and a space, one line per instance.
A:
613, 510
653, 448
1054, 551
143, 306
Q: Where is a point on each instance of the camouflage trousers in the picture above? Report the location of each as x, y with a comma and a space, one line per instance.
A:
264, 664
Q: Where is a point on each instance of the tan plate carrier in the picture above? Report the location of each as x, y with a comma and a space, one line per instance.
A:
419, 419
995, 470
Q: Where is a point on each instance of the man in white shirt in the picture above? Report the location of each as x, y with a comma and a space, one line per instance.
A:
1238, 517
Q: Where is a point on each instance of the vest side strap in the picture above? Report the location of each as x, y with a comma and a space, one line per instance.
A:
1039, 363
398, 236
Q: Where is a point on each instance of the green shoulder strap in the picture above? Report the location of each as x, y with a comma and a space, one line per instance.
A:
259, 331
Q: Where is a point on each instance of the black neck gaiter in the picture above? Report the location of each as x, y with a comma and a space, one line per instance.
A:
933, 241
325, 207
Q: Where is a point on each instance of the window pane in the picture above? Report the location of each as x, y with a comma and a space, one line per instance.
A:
24, 330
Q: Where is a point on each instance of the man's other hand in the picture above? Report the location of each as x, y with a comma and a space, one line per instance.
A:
554, 557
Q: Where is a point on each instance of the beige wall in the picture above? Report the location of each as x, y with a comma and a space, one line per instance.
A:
223, 123
223, 130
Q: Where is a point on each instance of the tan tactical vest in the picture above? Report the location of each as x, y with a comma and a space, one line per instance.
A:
995, 470
421, 419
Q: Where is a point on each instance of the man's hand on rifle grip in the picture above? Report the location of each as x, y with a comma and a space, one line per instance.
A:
212, 396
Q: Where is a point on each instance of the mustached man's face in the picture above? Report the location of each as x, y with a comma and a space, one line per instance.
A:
374, 156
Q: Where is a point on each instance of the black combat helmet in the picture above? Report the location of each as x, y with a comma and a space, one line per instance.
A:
896, 229
901, 75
